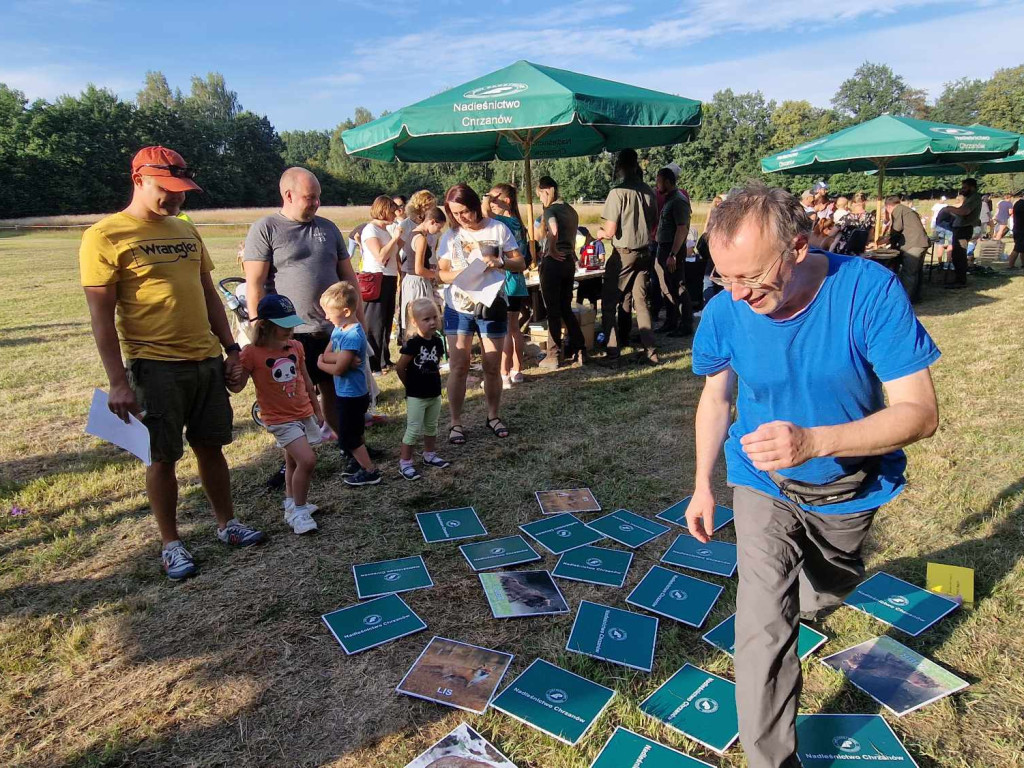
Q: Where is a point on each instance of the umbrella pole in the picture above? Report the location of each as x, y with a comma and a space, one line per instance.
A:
528, 182
878, 209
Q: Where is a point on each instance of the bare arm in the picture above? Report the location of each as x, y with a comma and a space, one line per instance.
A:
422, 269
609, 229
338, 363
102, 301
383, 254
514, 261
912, 415
347, 273
402, 367
711, 425
445, 271
255, 284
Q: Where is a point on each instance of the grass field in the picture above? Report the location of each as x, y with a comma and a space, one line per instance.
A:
105, 663
345, 216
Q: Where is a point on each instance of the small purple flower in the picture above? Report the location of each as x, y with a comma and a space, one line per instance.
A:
17, 511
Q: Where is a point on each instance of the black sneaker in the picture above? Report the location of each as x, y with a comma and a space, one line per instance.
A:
363, 477
276, 481
351, 468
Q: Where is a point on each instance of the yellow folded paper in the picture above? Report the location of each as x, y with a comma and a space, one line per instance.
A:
951, 580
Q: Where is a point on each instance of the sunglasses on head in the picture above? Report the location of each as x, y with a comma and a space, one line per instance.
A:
178, 171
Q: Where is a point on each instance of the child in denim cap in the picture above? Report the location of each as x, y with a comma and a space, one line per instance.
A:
346, 361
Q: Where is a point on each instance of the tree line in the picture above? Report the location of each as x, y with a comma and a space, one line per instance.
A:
72, 155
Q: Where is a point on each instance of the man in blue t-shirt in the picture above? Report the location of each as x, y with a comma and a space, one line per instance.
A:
815, 343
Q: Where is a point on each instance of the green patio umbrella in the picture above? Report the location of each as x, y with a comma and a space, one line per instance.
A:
887, 144
526, 111
1010, 164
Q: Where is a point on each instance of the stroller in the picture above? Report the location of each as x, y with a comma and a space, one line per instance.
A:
233, 292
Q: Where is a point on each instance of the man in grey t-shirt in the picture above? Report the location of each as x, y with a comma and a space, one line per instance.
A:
300, 255
629, 216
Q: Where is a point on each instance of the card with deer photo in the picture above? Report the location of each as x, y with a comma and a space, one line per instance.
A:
456, 674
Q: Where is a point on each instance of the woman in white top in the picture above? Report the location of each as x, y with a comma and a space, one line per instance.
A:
380, 255
473, 237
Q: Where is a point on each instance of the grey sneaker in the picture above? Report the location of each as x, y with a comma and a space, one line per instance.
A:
409, 472
178, 562
240, 535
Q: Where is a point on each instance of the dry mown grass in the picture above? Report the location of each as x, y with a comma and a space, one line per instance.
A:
102, 662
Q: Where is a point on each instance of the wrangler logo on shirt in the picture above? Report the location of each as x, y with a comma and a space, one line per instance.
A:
164, 250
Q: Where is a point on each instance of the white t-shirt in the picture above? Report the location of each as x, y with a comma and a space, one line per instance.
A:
370, 261
462, 245
935, 211
839, 214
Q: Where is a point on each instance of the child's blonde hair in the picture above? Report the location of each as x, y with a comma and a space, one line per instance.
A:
341, 295
418, 306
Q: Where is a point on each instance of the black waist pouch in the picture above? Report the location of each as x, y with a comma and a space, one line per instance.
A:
839, 490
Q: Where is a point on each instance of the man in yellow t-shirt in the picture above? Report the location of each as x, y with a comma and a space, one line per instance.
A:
147, 281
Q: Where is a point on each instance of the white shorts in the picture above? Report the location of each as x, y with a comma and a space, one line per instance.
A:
291, 431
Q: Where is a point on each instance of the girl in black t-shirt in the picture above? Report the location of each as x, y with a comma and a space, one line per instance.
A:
419, 368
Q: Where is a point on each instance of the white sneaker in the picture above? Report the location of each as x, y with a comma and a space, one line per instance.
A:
506, 382
289, 504
516, 377
300, 520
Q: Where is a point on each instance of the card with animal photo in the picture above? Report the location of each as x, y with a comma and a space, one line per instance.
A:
456, 674
899, 679
569, 500
462, 748
522, 593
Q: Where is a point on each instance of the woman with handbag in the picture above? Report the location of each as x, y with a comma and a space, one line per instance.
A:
378, 280
473, 237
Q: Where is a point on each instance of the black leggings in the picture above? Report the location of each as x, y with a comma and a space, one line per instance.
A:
380, 317
556, 281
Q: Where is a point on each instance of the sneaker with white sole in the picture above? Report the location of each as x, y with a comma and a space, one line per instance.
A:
409, 472
239, 534
351, 468
364, 477
301, 520
436, 461
178, 562
289, 506
516, 377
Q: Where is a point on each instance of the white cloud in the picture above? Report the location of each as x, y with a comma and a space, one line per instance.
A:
927, 54
51, 81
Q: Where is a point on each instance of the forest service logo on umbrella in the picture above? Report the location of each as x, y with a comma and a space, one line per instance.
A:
953, 131
492, 91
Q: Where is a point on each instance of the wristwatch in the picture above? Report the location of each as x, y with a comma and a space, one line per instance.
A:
233, 347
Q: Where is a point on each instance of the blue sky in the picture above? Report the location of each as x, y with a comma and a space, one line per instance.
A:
308, 65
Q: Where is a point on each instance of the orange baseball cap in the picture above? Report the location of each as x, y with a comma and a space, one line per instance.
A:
167, 166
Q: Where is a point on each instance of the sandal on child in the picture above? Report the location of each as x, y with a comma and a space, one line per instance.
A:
497, 428
456, 435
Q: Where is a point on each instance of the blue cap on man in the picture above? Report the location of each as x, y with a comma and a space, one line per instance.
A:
279, 310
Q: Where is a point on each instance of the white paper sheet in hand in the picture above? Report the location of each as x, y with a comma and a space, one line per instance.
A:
133, 436
480, 283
